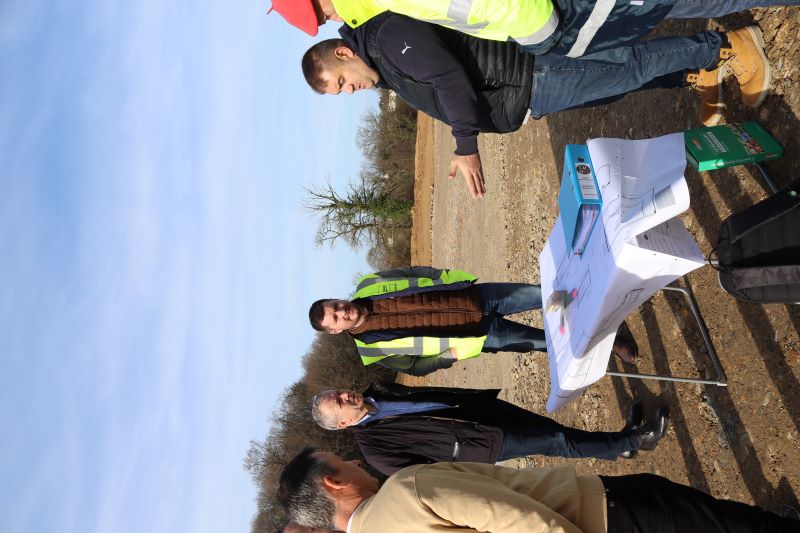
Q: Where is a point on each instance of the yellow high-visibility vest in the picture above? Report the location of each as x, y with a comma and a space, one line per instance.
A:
526, 21
374, 285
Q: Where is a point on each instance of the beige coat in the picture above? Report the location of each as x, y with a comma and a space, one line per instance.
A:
487, 498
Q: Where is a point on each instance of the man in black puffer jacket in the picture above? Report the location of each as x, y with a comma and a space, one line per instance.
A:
476, 85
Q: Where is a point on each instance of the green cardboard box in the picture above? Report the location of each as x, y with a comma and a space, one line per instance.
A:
728, 145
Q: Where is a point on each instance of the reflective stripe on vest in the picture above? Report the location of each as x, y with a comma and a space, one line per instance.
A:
602, 9
417, 347
375, 285
412, 282
420, 347
542, 33
531, 20
457, 16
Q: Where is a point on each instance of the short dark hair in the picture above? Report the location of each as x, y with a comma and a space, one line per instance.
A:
302, 494
316, 60
316, 313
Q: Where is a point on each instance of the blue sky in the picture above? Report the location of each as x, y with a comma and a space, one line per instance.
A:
155, 261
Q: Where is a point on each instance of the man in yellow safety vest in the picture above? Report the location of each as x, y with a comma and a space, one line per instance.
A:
420, 319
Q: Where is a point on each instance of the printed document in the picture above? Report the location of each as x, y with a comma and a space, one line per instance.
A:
637, 247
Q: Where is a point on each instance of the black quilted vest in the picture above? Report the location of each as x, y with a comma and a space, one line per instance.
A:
501, 74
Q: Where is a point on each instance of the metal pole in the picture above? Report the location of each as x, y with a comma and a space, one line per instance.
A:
668, 378
721, 377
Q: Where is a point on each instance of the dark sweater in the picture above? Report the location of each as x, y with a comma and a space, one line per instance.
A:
473, 85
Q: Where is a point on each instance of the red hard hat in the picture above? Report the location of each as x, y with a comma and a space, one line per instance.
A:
298, 13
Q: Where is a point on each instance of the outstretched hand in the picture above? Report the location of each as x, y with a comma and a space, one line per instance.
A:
472, 170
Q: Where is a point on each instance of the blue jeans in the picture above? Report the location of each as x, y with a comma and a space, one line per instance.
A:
561, 83
526, 433
500, 299
637, 22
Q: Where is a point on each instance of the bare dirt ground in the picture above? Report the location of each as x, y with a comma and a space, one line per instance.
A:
740, 442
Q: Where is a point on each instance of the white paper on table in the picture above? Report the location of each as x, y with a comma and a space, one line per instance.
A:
641, 183
637, 247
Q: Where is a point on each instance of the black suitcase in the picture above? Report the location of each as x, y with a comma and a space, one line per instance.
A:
758, 250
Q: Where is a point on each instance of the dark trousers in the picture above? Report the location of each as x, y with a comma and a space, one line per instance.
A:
645, 503
526, 433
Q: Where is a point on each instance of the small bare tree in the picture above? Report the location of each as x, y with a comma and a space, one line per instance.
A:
356, 215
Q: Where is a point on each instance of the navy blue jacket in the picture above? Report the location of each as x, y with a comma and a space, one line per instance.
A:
591, 26
473, 85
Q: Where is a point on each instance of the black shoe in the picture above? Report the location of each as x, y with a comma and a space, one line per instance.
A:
633, 421
652, 432
634, 417
790, 512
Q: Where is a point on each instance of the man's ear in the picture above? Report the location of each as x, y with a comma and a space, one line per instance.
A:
343, 52
333, 483
334, 331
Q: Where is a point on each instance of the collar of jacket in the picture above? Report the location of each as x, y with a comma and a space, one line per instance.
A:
357, 39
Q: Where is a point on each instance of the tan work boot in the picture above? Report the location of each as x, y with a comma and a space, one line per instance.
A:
708, 84
747, 62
